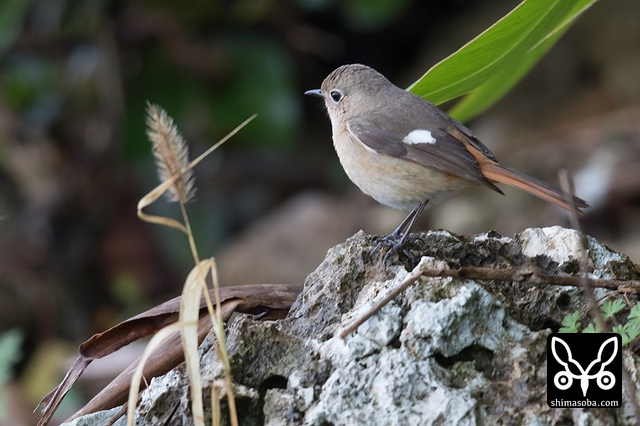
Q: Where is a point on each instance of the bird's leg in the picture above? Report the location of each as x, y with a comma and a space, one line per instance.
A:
416, 214
398, 231
397, 239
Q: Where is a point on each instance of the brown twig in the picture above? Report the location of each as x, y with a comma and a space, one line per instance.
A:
525, 274
417, 273
530, 275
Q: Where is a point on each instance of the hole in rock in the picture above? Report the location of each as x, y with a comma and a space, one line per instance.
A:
481, 357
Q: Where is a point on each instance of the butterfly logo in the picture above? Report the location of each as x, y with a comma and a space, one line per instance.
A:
564, 379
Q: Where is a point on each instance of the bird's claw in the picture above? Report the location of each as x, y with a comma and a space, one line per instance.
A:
395, 244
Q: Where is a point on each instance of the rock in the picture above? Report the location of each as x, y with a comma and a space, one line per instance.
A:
97, 419
446, 351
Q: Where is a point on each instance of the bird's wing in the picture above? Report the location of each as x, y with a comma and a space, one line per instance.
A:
434, 148
464, 132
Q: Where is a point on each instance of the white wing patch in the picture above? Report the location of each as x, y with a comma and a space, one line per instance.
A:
419, 136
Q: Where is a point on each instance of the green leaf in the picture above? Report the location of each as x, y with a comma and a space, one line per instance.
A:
570, 323
592, 328
620, 329
634, 314
633, 326
633, 329
497, 59
612, 307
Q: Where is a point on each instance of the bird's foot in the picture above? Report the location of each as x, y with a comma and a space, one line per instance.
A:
395, 244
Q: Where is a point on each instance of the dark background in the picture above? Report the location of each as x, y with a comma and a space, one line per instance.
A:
74, 159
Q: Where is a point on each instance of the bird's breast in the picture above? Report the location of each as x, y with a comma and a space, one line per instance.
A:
392, 181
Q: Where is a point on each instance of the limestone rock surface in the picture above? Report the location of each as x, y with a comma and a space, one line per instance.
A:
446, 351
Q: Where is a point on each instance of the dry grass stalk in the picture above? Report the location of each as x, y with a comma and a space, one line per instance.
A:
155, 342
175, 173
171, 152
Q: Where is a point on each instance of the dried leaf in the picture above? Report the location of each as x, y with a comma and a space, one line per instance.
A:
269, 301
151, 198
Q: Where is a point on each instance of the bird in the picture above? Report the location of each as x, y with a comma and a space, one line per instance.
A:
405, 152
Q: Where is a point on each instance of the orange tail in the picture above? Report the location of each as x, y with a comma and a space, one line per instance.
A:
543, 190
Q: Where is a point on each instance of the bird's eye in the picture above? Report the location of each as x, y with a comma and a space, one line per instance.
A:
336, 96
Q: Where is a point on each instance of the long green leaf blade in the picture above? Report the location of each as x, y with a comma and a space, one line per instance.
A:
500, 56
493, 89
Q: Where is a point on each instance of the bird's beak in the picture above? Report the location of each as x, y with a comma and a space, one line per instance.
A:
314, 92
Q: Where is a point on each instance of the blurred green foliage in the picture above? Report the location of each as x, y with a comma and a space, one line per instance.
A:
271, 92
10, 353
12, 13
74, 157
366, 15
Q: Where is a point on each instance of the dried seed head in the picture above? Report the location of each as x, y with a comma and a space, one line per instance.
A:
171, 152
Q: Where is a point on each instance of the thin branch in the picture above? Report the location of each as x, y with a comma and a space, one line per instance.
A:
417, 273
528, 274
525, 274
